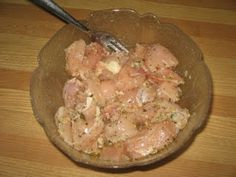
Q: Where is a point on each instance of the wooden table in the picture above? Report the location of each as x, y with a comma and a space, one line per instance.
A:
24, 29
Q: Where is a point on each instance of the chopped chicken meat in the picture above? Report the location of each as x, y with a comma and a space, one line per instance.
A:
120, 106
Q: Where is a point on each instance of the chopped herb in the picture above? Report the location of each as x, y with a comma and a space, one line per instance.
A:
82, 116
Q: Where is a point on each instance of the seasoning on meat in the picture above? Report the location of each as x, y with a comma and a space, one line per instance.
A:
120, 106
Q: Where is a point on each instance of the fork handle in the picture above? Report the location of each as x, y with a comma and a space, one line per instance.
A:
55, 9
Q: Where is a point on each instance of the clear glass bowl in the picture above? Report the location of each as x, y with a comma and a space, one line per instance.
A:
131, 28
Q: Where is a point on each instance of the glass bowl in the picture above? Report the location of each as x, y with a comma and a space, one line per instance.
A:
131, 28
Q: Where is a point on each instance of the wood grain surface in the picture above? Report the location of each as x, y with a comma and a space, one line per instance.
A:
25, 28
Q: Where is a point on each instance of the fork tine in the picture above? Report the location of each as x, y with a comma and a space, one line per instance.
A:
109, 41
118, 46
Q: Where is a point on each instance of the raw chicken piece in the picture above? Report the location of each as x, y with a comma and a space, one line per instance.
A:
151, 140
80, 59
102, 91
121, 106
146, 93
86, 134
74, 57
94, 52
73, 93
110, 66
168, 91
112, 63
102, 72
76, 50
165, 74
119, 130
129, 98
142, 116
173, 112
89, 111
94, 88
157, 56
111, 112
129, 78
108, 90
63, 123
169, 75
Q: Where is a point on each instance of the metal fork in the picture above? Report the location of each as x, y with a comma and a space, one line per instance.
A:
104, 38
